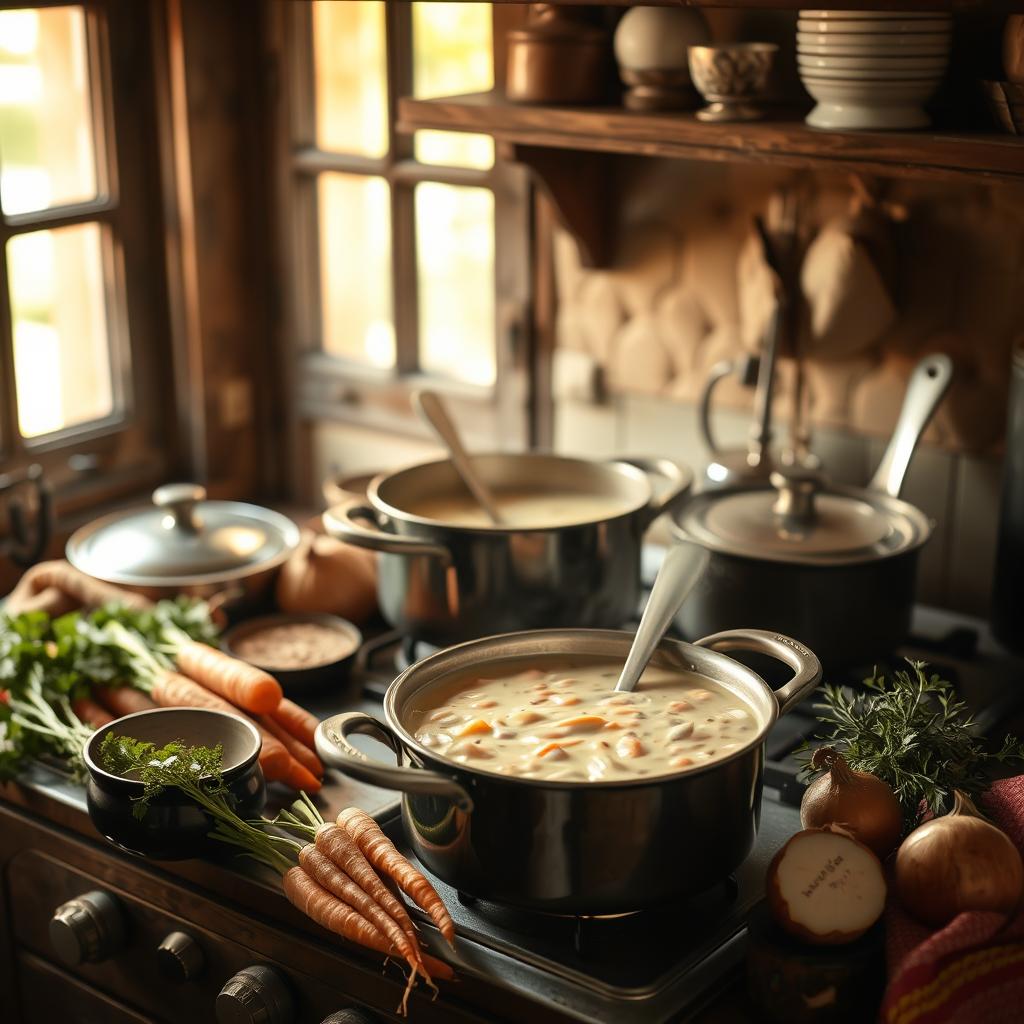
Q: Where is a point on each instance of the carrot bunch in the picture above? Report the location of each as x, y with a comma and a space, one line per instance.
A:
209, 678
333, 879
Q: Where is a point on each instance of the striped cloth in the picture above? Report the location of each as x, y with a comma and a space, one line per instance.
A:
971, 971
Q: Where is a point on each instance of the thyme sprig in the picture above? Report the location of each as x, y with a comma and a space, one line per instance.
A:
914, 732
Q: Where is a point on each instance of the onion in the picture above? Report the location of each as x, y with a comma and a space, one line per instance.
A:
328, 576
826, 887
955, 863
860, 802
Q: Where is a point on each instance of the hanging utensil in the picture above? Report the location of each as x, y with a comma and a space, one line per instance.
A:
431, 407
684, 564
29, 502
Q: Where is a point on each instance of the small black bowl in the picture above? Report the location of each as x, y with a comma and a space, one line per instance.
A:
327, 677
174, 827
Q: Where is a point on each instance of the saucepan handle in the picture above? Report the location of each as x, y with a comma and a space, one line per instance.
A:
680, 481
804, 663
334, 748
356, 523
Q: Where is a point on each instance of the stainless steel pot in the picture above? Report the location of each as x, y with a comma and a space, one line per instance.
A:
445, 583
186, 544
833, 565
577, 847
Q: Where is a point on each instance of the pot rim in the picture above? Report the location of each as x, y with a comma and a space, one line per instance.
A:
693, 655
289, 529
622, 468
102, 777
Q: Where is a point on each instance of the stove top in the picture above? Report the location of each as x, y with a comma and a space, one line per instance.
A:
648, 967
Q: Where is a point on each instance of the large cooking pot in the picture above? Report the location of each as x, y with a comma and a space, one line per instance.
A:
186, 544
445, 583
835, 566
577, 847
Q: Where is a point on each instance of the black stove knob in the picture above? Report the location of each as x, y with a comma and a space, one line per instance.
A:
180, 958
255, 995
349, 1017
87, 929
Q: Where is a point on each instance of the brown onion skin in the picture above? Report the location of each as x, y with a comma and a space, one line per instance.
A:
956, 863
327, 576
861, 803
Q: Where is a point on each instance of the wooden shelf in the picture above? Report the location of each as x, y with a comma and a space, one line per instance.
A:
549, 140
785, 141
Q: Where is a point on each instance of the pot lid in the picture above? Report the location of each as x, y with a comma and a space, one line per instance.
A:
799, 518
182, 537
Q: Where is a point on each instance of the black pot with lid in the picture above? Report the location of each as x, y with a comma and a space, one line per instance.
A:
831, 565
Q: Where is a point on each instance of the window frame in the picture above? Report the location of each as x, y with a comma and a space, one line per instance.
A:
131, 448
327, 387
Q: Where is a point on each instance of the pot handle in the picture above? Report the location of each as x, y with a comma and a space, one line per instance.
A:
334, 748
804, 663
681, 478
927, 386
747, 369
348, 520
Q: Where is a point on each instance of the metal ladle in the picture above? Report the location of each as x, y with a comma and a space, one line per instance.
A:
683, 566
431, 407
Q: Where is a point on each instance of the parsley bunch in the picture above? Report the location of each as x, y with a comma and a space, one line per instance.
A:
913, 732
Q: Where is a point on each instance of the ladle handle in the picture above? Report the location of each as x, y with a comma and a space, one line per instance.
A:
683, 566
433, 410
925, 389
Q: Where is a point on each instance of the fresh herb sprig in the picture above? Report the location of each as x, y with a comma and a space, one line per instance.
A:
915, 733
198, 773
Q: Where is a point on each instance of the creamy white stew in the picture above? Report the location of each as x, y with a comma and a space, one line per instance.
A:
525, 509
562, 720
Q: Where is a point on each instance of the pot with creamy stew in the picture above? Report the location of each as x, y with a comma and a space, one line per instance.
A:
528, 780
568, 553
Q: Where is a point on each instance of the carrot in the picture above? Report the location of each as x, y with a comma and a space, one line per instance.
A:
295, 747
321, 868
297, 720
237, 681
171, 690
84, 590
336, 916
381, 853
90, 712
300, 778
51, 600
474, 727
337, 844
121, 700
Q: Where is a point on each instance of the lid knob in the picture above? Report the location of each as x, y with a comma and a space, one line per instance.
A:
794, 505
180, 502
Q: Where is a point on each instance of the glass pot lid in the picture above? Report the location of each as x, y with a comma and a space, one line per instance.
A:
182, 538
801, 519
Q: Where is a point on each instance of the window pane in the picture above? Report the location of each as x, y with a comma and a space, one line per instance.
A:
46, 130
351, 77
455, 273
451, 55
62, 364
355, 268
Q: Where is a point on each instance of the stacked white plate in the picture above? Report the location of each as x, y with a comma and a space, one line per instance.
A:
872, 69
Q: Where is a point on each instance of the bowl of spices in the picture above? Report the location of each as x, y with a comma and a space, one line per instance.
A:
305, 653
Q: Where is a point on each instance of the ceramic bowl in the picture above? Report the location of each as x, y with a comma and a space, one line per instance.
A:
174, 827
873, 27
878, 65
844, 104
729, 75
820, 46
324, 677
870, 15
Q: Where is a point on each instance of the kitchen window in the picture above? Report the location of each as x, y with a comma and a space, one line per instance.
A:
407, 261
81, 342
